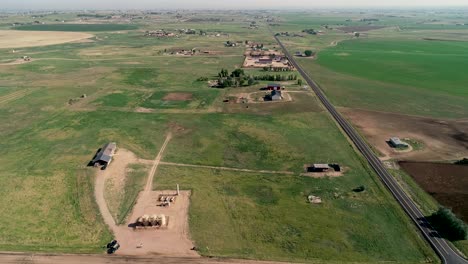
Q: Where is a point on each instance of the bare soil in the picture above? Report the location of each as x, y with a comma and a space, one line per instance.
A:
38, 258
173, 241
250, 62
442, 139
351, 29
178, 97
447, 183
20, 39
16, 62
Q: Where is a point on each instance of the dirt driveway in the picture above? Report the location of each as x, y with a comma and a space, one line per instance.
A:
442, 139
173, 241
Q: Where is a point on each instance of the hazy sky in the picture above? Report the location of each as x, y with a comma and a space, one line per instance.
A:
216, 4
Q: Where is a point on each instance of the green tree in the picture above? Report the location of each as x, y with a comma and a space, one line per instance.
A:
241, 82
237, 73
448, 225
308, 53
462, 162
299, 82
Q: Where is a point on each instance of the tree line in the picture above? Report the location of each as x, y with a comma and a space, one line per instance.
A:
238, 78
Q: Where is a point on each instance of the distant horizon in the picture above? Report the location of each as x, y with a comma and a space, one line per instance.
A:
408, 8
102, 5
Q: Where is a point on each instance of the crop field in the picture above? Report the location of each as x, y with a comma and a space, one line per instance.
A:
432, 68
126, 88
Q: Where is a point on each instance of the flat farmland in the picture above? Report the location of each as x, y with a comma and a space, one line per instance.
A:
126, 88
406, 79
447, 183
421, 77
21, 39
77, 27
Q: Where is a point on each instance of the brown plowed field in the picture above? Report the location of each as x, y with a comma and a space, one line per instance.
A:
441, 139
447, 183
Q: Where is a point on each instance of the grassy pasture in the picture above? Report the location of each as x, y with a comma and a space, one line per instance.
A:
200, 99
77, 27
257, 216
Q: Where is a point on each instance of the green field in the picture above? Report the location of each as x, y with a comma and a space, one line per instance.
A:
433, 66
77, 27
408, 67
46, 143
266, 217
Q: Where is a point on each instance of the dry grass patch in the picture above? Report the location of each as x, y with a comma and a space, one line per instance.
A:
178, 97
21, 39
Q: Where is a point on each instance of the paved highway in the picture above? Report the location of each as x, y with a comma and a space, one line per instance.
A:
440, 245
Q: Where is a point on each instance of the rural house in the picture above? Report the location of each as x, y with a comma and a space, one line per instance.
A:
276, 95
104, 155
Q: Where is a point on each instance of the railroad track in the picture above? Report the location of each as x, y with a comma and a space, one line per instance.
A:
443, 249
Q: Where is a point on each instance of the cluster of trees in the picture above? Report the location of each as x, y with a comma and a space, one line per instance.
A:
235, 79
462, 162
238, 78
448, 225
310, 31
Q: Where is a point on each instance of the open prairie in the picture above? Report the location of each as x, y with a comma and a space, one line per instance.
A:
241, 161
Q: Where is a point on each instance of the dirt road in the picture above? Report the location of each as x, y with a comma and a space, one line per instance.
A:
26, 258
157, 160
224, 168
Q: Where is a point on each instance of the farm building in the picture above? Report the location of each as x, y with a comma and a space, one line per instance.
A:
318, 168
397, 143
273, 86
276, 95
265, 61
104, 155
